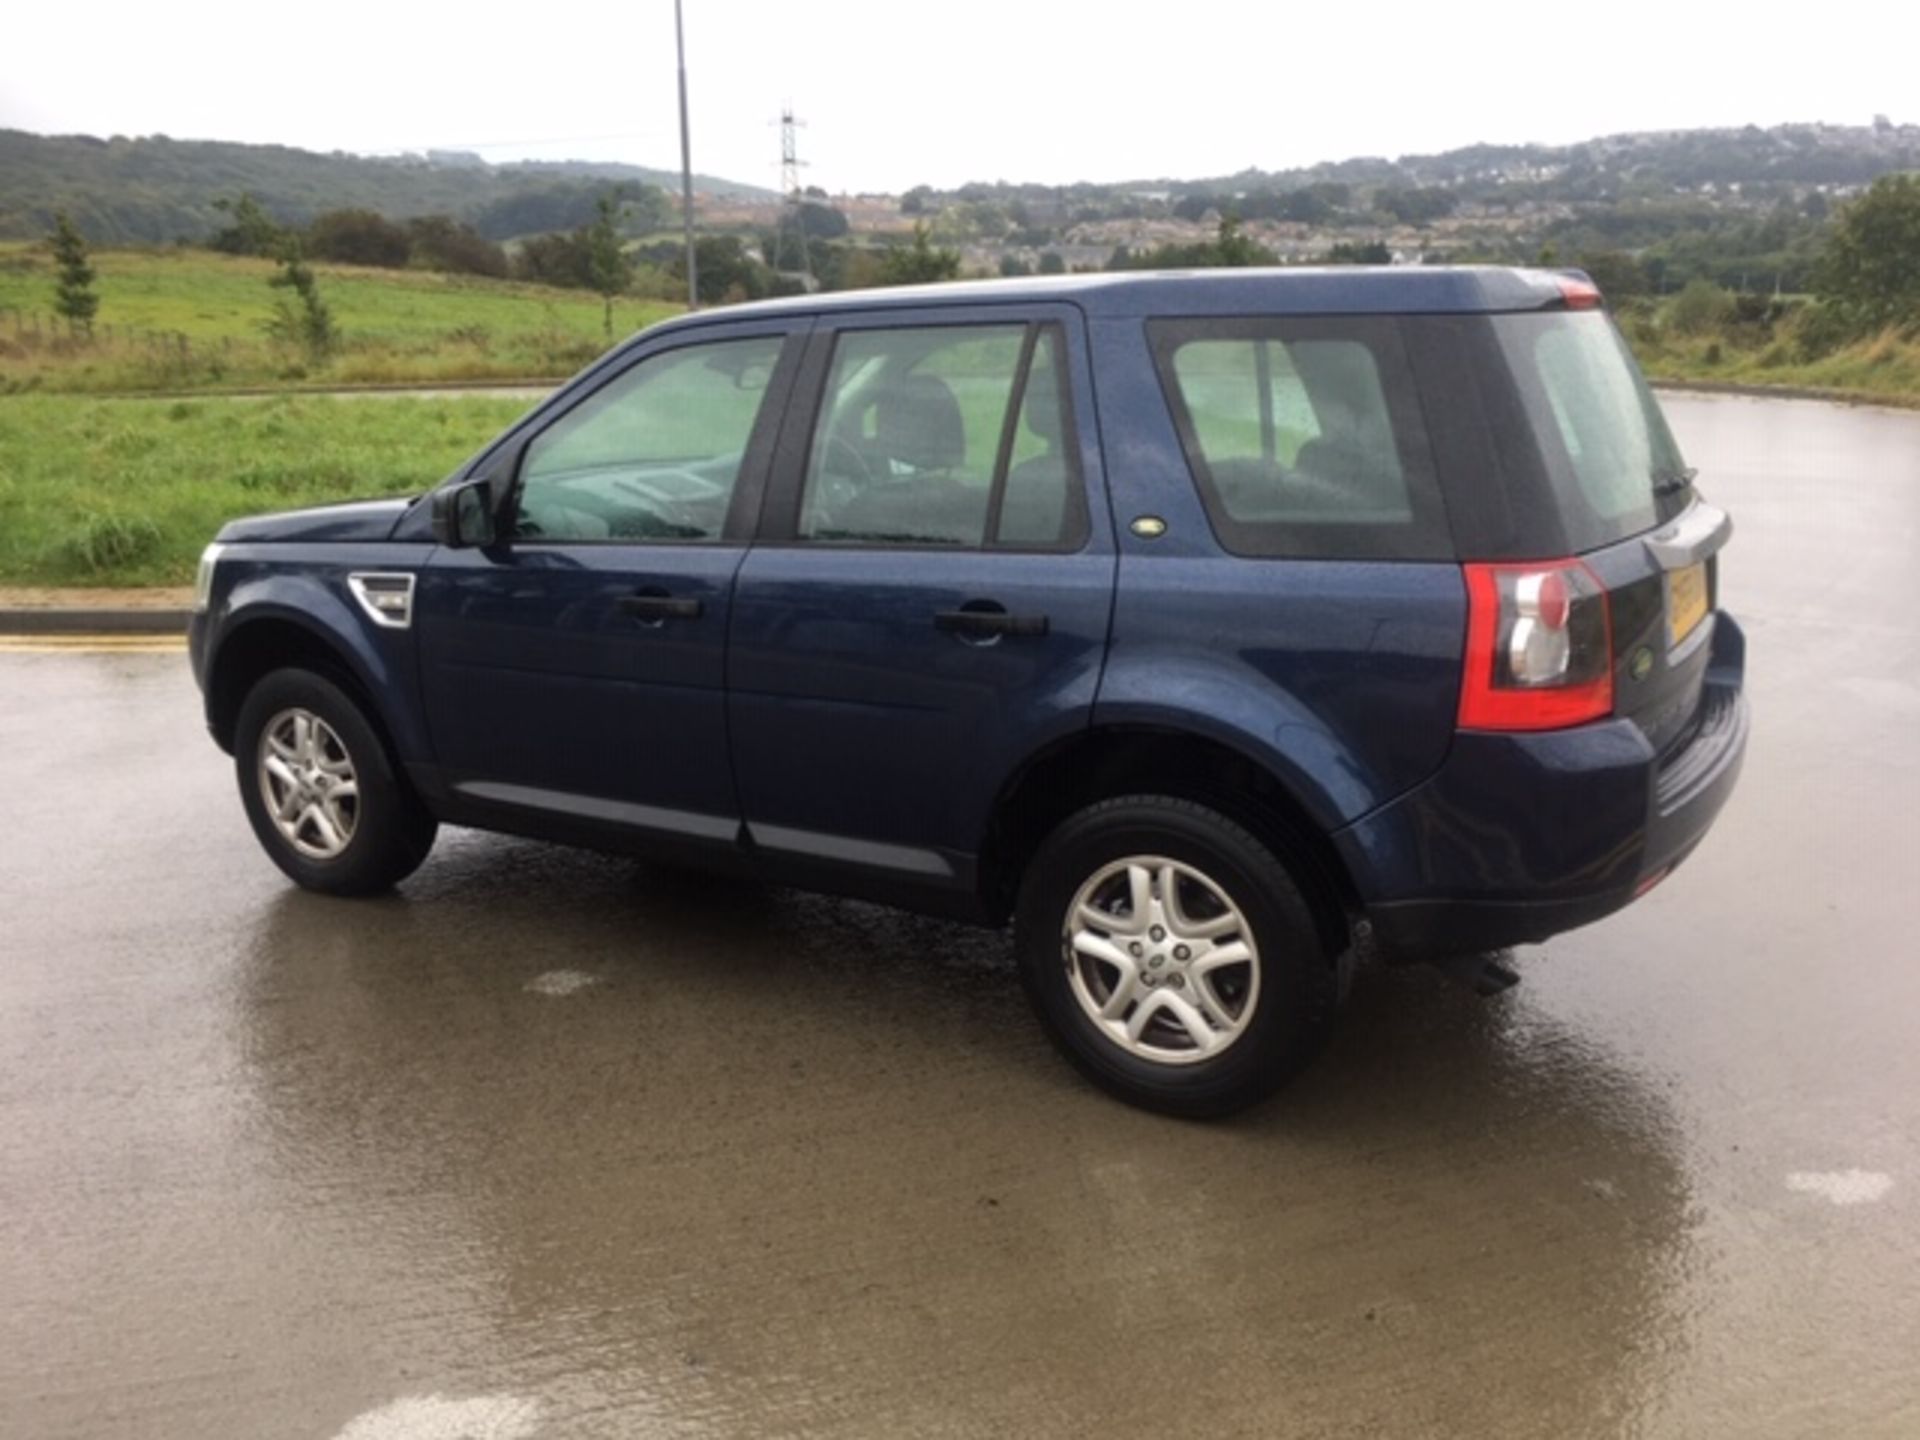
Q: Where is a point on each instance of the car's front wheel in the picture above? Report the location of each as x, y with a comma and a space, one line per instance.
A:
320, 790
1172, 957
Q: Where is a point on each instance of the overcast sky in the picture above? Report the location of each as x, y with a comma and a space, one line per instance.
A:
904, 93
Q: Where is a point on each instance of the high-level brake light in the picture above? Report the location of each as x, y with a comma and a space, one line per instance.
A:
1579, 294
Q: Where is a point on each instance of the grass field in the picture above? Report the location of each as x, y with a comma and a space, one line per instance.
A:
126, 492
1885, 369
188, 319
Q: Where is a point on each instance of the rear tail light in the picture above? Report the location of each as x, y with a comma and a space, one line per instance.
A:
1539, 647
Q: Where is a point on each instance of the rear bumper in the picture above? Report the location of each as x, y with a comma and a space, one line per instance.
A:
1521, 837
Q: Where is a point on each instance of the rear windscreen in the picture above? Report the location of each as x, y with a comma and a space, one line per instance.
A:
1612, 462
1305, 436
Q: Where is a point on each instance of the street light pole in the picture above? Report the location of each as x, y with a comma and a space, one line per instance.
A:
686, 161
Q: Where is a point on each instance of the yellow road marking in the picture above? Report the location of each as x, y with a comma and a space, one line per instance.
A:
92, 644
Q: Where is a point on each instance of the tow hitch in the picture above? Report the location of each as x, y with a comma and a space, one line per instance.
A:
1485, 975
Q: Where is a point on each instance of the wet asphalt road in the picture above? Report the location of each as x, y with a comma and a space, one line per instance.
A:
556, 1145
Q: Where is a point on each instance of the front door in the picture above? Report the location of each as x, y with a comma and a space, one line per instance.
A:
928, 601
575, 670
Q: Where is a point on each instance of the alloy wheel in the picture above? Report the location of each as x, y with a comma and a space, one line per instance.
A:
1161, 959
308, 782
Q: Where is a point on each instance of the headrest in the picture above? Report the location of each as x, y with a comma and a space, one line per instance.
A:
917, 422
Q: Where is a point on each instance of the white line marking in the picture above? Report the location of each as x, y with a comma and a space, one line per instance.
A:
436, 1417
561, 982
1842, 1187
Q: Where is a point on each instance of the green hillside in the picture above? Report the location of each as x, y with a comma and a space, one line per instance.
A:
153, 190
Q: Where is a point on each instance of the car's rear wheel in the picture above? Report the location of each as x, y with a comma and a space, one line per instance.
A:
1172, 957
320, 791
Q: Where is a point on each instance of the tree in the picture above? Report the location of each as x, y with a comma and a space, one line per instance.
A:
569, 205
1617, 273
825, 260
801, 240
1870, 271
1418, 205
609, 272
1306, 206
822, 221
555, 260
73, 295
251, 233
1346, 252
920, 262
358, 237
1229, 247
726, 270
1052, 263
1232, 247
311, 325
439, 242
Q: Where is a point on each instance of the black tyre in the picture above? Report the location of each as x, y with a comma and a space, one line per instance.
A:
1172, 957
320, 790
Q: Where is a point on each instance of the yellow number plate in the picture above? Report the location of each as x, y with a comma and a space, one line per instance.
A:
1686, 601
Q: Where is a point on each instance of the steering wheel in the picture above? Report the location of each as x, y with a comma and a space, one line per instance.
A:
836, 489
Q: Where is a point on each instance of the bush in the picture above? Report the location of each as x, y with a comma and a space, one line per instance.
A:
563, 260
1817, 330
1703, 308
107, 540
358, 237
439, 242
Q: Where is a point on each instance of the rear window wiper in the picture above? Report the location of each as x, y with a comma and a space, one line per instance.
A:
1672, 482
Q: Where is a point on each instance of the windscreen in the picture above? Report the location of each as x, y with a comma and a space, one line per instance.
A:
1612, 461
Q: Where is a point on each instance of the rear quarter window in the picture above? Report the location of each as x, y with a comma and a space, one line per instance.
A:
1304, 436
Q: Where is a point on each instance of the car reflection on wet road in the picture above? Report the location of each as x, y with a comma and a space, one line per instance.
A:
553, 1144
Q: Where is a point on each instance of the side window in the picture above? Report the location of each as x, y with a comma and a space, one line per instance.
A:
1305, 436
652, 455
953, 435
1039, 507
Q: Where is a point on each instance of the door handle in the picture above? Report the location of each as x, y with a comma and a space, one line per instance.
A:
660, 607
988, 622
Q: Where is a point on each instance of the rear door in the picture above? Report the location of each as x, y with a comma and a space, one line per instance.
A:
929, 598
575, 670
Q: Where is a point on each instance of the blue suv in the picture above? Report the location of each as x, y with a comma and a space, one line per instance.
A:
1202, 625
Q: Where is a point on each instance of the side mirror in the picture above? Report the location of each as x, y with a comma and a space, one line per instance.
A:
463, 515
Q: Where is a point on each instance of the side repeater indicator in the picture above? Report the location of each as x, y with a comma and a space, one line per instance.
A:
1149, 527
387, 599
